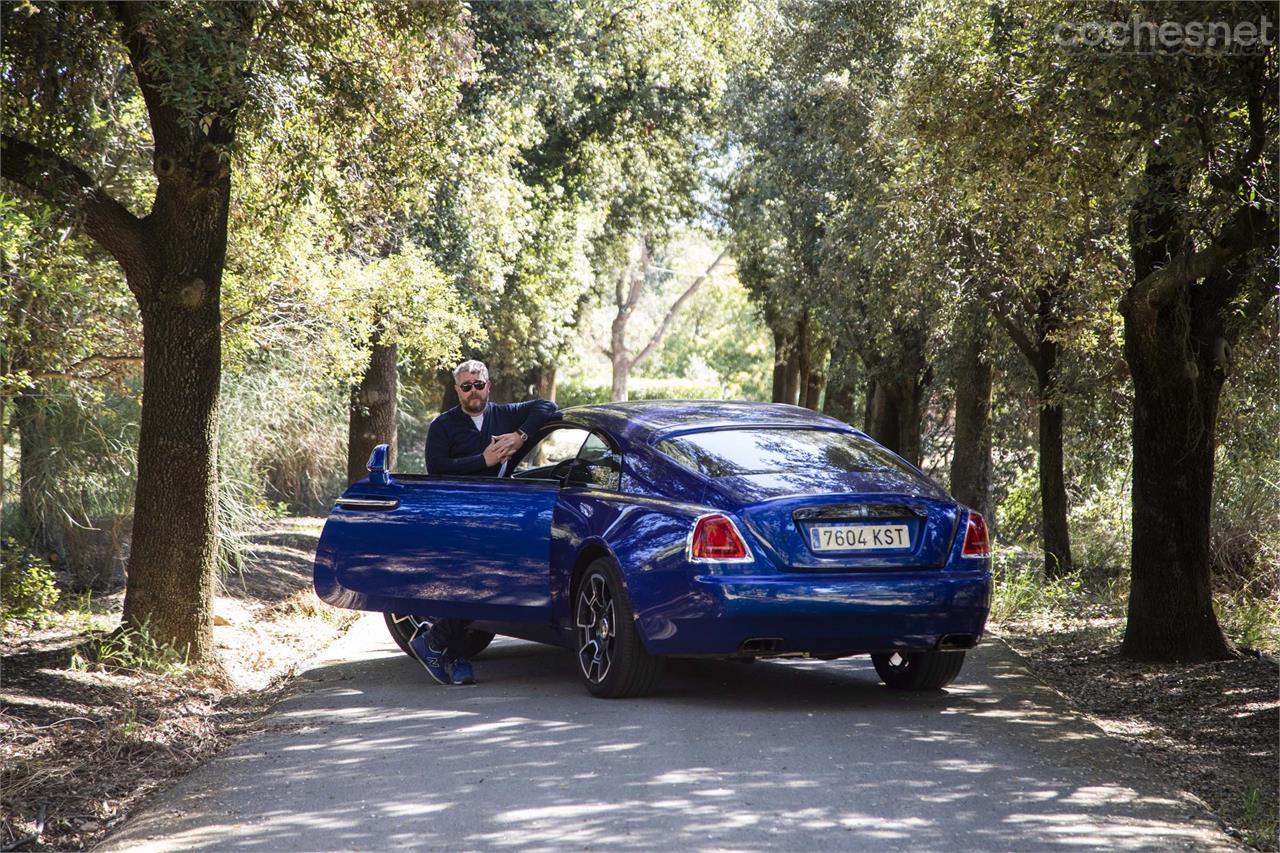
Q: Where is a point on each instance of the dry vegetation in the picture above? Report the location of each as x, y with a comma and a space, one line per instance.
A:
84, 743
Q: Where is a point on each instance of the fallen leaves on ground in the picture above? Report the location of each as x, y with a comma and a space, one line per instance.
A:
1212, 727
83, 747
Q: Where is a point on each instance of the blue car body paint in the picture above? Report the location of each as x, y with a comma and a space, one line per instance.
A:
505, 551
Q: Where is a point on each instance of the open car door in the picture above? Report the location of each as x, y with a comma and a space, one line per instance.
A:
443, 547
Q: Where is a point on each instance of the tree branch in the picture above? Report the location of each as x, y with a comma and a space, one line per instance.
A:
166, 128
638, 277
1232, 180
661, 331
1020, 338
1237, 237
110, 361
59, 181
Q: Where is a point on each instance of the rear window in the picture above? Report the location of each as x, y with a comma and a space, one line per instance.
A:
733, 452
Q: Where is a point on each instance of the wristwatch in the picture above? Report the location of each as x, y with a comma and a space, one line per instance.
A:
524, 436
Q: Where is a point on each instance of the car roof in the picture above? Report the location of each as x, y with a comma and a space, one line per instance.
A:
648, 421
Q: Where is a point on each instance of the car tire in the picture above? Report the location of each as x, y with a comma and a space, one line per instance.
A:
403, 628
918, 670
611, 656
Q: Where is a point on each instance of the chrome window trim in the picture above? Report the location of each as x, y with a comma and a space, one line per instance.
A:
368, 503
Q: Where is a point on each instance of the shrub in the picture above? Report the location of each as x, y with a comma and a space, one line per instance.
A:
1101, 524
27, 589
1021, 589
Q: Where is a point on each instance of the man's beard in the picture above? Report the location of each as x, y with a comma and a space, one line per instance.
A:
478, 404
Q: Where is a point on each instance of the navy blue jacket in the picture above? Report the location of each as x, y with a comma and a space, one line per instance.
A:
455, 446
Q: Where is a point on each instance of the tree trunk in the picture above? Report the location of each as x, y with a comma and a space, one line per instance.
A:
911, 416
1176, 349
971, 455
544, 383
804, 360
815, 379
779, 366
791, 373
1175, 410
373, 412
839, 402
621, 373
814, 386
869, 408
619, 358
895, 416
173, 555
448, 393
883, 415
1055, 533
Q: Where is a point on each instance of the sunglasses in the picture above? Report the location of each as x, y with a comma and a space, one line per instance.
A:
479, 385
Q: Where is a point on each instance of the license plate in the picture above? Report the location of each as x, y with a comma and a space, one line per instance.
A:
859, 537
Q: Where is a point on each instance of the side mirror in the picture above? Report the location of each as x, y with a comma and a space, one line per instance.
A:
378, 473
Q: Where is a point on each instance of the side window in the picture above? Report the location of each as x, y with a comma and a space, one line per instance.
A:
604, 466
556, 446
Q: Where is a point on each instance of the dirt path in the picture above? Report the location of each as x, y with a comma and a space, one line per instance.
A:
82, 746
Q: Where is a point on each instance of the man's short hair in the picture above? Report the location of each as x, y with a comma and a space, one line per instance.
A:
471, 366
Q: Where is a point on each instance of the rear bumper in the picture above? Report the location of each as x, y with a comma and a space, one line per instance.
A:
821, 614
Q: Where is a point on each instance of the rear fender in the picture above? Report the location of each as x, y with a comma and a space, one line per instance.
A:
647, 541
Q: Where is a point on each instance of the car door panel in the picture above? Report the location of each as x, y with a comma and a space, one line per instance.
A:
474, 548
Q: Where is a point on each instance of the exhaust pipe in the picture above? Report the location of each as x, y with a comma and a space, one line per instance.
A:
761, 646
956, 642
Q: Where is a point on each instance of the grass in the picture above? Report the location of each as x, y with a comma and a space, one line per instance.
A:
1021, 589
1249, 618
1249, 621
1260, 826
131, 649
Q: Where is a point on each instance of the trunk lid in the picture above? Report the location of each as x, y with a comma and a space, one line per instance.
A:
789, 520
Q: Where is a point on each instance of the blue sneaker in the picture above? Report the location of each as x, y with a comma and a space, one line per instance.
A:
462, 672
436, 663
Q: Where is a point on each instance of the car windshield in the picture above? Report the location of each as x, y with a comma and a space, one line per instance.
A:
733, 452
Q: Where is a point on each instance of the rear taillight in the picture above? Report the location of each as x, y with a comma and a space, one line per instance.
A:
976, 541
715, 537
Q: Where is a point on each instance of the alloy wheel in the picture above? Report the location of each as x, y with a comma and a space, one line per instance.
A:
597, 628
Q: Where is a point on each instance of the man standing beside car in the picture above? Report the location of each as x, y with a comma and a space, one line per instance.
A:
474, 438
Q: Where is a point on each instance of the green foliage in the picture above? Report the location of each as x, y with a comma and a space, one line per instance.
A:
1245, 548
77, 465
1250, 619
132, 650
1021, 590
284, 433
1101, 523
1018, 512
27, 589
579, 392
717, 338
1261, 824
606, 110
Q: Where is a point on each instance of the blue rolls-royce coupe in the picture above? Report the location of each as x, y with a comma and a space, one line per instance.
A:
632, 532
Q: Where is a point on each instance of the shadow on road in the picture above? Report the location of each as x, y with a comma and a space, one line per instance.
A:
791, 755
